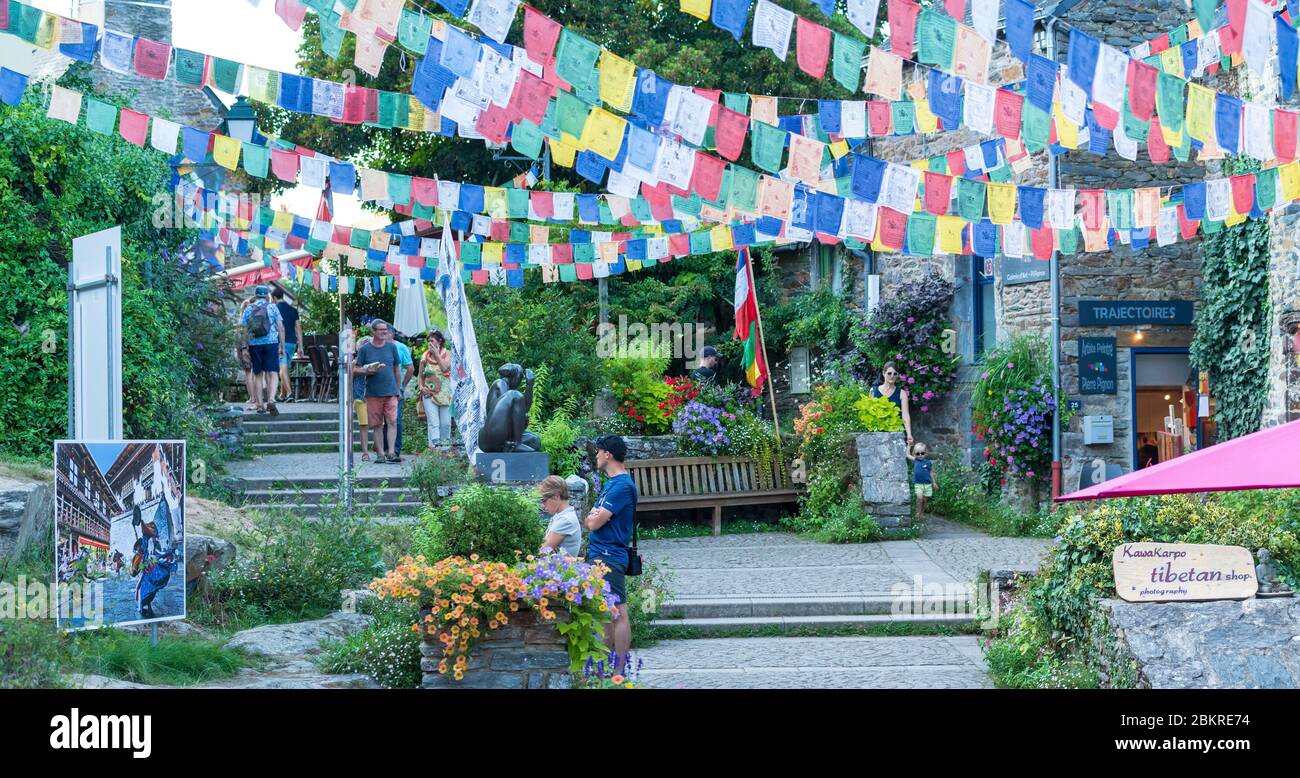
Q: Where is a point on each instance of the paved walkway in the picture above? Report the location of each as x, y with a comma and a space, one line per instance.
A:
321, 464
780, 565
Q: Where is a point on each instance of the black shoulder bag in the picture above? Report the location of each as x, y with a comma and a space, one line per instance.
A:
633, 556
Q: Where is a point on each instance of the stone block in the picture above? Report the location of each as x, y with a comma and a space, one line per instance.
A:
513, 467
479, 679
544, 635
529, 658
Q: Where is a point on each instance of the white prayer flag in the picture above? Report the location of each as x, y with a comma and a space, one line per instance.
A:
984, 18
863, 15
164, 135
977, 110
313, 170
1257, 40
1013, 239
65, 104
860, 219
853, 119
772, 26
563, 203
692, 119
493, 17
1258, 129
1167, 226
898, 187
1060, 208
1218, 199
674, 164
1125, 146
1111, 76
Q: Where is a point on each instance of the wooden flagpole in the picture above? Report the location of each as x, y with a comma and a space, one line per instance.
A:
762, 345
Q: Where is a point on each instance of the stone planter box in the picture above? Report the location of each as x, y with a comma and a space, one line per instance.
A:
527, 653
644, 446
886, 483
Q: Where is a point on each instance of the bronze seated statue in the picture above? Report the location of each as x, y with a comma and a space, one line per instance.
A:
505, 427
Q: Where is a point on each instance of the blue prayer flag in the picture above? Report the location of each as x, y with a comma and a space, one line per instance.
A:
829, 111
1031, 206
343, 178
1083, 53
1227, 122
195, 143
12, 86
731, 15
1040, 75
84, 51
946, 98
651, 96
985, 239
471, 198
1020, 28
830, 213
868, 172
1287, 44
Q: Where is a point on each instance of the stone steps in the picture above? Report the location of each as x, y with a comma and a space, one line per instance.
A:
808, 605
789, 623
325, 495
389, 508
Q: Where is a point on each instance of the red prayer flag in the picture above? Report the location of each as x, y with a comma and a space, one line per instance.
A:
1187, 227
584, 271
291, 12
285, 165
133, 126
1106, 117
661, 206
1156, 146
902, 26
1042, 241
713, 95
1230, 35
152, 58
1092, 204
679, 244
530, 98
540, 35
1284, 134
1243, 192
424, 191
543, 204
813, 47
499, 230
955, 8
360, 105
879, 118
493, 124
956, 162
729, 136
4, 14
706, 179
342, 235
562, 253
938, 189
479, 277
1160, 43
1142, 89
893, 227
1007, 110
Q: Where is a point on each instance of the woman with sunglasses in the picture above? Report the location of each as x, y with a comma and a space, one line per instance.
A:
890, 390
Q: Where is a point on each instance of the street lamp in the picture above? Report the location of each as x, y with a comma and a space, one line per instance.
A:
240, 122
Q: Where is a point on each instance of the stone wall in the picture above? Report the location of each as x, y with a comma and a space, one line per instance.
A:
1284, 288
886, 485
1247, 644
526, 653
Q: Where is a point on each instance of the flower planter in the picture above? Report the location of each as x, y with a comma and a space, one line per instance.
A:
886, 485
527, 653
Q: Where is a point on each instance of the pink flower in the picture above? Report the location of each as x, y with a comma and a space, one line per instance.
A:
1010, 365
925, 408
911, 380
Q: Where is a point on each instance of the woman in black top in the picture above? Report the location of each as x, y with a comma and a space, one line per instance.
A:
896, 395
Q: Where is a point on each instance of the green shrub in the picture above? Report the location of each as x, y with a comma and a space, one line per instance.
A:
493, 522
292, 567
1021, 657
388, 650
958, 495
640, 390
175, 661
432, 469
878, 414
646, 595
31, 654
559, 437
833, 511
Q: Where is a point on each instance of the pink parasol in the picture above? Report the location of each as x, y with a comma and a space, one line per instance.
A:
1268, 459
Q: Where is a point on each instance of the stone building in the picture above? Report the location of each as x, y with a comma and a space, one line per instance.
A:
1151, 370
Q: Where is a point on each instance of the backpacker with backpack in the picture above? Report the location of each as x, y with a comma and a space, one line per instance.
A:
259, 321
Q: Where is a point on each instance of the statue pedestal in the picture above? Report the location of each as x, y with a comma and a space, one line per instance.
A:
516, 467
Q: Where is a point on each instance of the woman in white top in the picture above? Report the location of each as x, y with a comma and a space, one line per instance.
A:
564, 533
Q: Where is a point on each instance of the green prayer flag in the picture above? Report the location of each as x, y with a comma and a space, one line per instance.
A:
575, 59
101, 116
584, 253
388, 108
526, 138
551, 122
1000, 174
226, 75
1169, 101
1067, 241
606, 215
724, 190
315, 246
1205, 12
903, 113
1266, 189
256, 159
351, 5
1178, 36
710, 139
517, 202
937, 165
1183, 150
519, 232
399, 188
572, 113
846, 61
1035, 126
1119, 204
1134, 127
360, 238
25, 21
744, 189
920, 233
1210, 227
265, 216
413, 31
190, 67
331, 35
736, 102
970, 199
701, 243
568, 273
471, 253
688, 205
641, 209
936, 38
818, 132
425, 212
767, 146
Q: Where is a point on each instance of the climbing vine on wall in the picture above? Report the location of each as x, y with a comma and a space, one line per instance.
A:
1232, 325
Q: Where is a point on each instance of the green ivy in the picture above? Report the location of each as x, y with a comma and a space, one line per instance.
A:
1232, 325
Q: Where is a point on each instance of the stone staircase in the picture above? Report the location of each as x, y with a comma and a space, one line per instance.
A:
814, 611
296, 430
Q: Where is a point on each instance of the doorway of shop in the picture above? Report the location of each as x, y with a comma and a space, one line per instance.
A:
1163, 405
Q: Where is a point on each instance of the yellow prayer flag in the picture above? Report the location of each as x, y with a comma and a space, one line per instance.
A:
492, 252
1200, 112
950, 228
762, 108
1193, 30
877, 246
603, 133
721, 237
1290, 175
633, 265
1171, 61
379, 239
282, 220
839, 148
920, 164
225, 150
1234, 219
697, 8
564, 150
1002, 202
262, 87
925, 120
1173, 139
617, 81
415, 115
1067, 132
495, 202
47, 33
608, 250
1237, 59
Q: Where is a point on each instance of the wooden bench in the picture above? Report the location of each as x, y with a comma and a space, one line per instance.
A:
708, 482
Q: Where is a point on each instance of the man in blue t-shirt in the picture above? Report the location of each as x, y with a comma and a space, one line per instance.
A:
610, 522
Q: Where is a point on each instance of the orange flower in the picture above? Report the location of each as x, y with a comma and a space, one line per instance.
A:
617, 679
